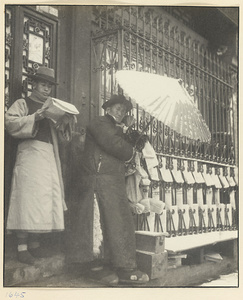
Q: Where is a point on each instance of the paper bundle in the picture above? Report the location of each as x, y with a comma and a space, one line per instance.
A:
156, 206
146, 203
55, 109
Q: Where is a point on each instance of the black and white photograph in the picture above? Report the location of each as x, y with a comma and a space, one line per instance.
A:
120, 147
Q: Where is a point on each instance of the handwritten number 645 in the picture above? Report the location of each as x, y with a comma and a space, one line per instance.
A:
16, 295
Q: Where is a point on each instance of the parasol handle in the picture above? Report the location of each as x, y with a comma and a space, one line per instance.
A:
144, 130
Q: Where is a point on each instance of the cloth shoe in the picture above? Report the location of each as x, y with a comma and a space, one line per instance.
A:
40, 252
25, 257
104, 276
132, 276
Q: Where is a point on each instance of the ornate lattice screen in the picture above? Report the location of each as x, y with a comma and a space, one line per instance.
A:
30, 42
150, 40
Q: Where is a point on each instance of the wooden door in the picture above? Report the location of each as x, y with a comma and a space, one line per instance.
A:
30, 42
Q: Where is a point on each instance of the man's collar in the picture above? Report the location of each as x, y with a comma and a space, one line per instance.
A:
113, 119
122, 125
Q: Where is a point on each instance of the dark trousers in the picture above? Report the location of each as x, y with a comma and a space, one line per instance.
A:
117, 224
116, 219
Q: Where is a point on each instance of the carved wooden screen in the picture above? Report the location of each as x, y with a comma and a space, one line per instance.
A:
8, 52
30, 42
39, 45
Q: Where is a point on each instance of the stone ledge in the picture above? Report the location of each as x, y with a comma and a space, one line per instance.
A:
16, 273
189, 242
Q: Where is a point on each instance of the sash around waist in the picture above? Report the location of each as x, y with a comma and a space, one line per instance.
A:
32, 143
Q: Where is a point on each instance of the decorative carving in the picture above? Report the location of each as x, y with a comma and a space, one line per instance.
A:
48, 53
35, 67
7, 55
129, 65
25, 44
8, 18
9, 39
6, 98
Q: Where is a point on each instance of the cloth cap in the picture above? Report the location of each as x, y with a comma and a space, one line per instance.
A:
44, 73
115, 99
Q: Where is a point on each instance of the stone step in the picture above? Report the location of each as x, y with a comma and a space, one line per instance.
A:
16, 273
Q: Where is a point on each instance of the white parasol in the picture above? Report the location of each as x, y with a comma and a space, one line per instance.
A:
166, 100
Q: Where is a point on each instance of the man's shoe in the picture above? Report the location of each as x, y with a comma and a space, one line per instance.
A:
40, 252
132, 276
104, 276
25, 257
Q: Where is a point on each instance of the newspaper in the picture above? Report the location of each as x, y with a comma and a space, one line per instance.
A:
55, 109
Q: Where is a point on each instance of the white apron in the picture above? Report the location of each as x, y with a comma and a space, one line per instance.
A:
36, 196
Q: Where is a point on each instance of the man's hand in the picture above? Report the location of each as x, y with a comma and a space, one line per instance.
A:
40, 114
129, 121
64, 120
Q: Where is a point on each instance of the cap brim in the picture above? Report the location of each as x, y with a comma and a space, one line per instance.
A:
109, 103
36, 77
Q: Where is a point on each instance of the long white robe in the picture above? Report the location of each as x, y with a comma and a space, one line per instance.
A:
37, 195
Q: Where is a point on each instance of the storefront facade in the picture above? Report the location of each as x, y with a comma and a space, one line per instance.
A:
86, 45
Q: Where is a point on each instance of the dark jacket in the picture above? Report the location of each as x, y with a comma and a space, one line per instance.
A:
106, 149
102, 172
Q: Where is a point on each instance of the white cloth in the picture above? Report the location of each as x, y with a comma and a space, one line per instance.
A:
216, 180
139, 168
223, 179
135, 182
156, 206
230, 178
153, 172
137, 190
176, 173
165, 173
134, 193
198, 175
189, 179
150, 156
207, 177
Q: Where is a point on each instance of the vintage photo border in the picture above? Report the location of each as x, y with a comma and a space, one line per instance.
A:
129, 293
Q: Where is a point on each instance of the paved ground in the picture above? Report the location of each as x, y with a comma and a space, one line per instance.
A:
73, 281
54, 272
230, 280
